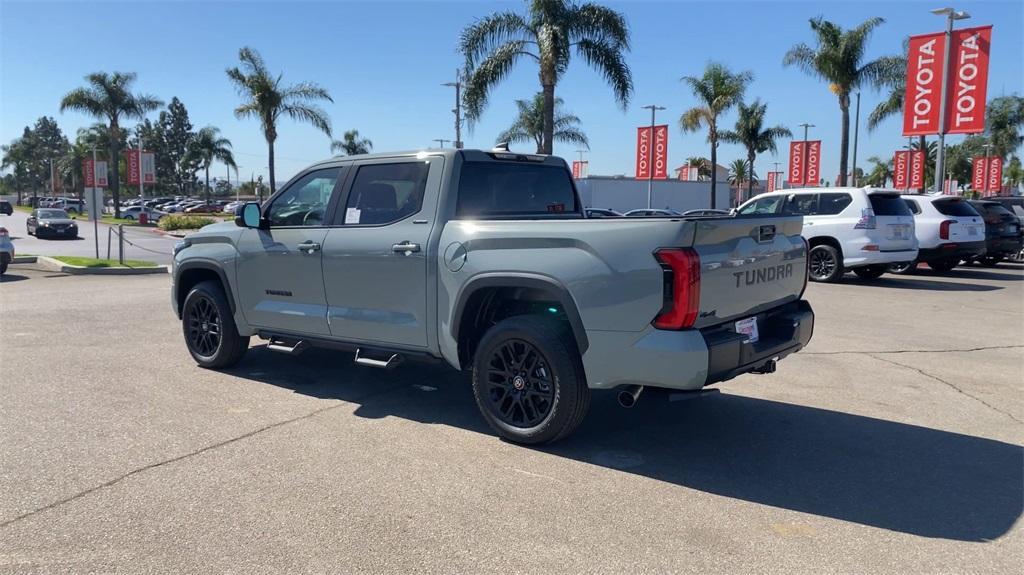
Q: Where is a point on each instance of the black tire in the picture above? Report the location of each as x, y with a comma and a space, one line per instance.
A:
826, 264
28, 230
129, 217
991, 261
209, 328
902, 268
528, 380
943, 265
870, 272
3, 268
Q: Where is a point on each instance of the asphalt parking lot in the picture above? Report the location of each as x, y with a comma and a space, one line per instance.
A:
891, 444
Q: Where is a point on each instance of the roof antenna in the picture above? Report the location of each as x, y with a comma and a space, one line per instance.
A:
500, 147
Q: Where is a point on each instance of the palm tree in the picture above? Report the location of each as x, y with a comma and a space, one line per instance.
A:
717, 90
1003, 122
547, 34
208, 146
751, 134
740, 173
351, 144
109, 97
837, 59
931, 153
264, 98
529, 125
881, 172
703, 167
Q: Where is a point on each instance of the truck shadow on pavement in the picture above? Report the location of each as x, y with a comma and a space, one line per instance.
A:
927, 284
884, 474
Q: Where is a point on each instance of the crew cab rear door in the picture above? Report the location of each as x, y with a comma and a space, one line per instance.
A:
376, 254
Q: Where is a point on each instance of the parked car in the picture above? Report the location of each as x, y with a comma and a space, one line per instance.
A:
645, 213
862, 230
948, 230
230, 207
6, 250
1003, 238
69, 205
133, 212
602, 213
6, 208
51, 222
708, 212
494, 269
211, 208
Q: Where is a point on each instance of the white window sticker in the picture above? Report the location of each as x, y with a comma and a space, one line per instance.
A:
352, 216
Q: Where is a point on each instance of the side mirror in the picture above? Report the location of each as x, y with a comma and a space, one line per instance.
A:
248, 216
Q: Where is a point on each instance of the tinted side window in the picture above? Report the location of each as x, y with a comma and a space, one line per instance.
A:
955, 208
832, 204
514, 189
305, 201
386, 193
912, 204
801, 204
768, 205
888, 205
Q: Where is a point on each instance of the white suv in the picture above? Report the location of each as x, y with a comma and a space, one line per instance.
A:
863, 230
948, 230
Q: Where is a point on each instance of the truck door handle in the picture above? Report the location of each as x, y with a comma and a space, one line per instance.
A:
308, 247
406, 247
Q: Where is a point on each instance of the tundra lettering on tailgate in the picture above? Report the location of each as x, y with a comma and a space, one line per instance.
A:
763, 275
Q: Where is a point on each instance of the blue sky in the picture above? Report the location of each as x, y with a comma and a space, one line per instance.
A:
383, 63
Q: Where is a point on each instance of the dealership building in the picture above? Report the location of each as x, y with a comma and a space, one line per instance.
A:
622, 193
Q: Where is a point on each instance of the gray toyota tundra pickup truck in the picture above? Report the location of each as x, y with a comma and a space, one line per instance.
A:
486, 260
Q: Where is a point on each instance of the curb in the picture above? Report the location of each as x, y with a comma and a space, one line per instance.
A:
51, 264
174, 234
24, 260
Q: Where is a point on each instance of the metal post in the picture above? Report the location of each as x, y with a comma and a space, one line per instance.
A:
940, 158
776, 172
803, 166
142, 194
120, 243
910, 160
457, 110
109, 231
96, 207
650, 153
856, 130
987, 164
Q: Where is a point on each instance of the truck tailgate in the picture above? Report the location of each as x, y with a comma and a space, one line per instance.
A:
748, 264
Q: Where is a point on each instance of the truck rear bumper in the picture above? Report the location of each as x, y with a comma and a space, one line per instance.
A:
691, 359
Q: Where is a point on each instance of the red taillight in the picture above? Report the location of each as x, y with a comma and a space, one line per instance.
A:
944, 229
682, 288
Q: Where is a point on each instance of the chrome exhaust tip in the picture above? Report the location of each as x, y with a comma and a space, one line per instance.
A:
629, 396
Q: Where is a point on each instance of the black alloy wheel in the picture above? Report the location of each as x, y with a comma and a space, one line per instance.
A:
520, 384
825, 265
204, 327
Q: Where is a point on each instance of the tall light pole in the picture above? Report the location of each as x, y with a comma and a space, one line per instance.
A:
97, 205
650, 154
987, 166
803, 163
441, 141
776, 175
457, 84
951, 14
582, 163
856, 130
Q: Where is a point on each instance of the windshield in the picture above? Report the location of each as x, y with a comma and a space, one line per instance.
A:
52, 214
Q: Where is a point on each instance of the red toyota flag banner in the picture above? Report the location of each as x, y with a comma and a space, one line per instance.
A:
770, 186
577, 168
87, 171
132, 162
643, 153
661, 152
795, 173
995, 175
922, 98
900, 169
968, 80
979, 169
148, 168
917, 161
813, 163
684, 172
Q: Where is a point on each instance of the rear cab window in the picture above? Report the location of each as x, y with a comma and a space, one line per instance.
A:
889, 205
831, 204
511, 189
955, 208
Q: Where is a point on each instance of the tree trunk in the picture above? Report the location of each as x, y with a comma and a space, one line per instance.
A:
751, 156
714, 167
549, 118
207, 183
270, 165
844, 144
112, 174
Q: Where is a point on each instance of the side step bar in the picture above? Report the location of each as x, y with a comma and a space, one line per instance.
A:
281, 346
390, 363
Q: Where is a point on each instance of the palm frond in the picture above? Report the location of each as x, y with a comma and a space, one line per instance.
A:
491, 71
310, 114
607, 59
600, 24
487, 35
305, 92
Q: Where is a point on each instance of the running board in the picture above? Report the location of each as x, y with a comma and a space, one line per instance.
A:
391, 362
281, 346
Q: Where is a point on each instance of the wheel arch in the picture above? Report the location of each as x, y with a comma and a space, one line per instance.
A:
481, 291
190, 273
